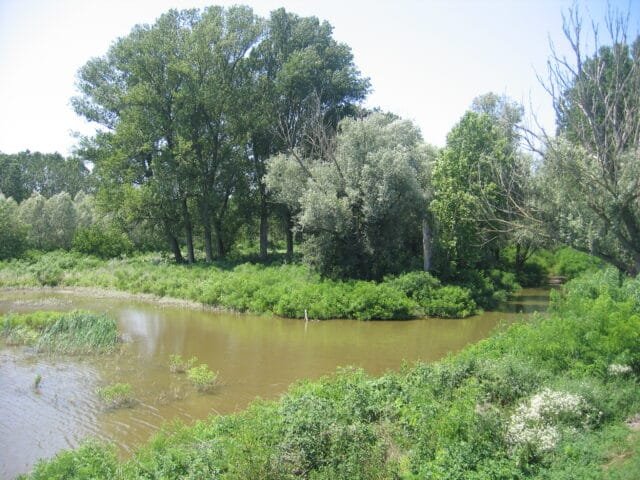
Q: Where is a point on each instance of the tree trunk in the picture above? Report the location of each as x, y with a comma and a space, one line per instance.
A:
264, 225
206, 226
427, 241
219, 242
188, 230
288, 230
208, 247
175, 248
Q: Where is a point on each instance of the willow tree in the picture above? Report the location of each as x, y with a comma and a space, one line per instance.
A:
592, 168
361, 209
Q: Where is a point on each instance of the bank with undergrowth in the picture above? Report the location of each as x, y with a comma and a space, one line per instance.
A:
549, 398
287, 290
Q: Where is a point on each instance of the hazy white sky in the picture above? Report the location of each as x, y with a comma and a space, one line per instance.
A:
426, 59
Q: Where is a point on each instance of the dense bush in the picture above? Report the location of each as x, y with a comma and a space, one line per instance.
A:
102, 242
432, 298
536, 400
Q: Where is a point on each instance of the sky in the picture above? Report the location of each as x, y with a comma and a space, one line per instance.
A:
427, 60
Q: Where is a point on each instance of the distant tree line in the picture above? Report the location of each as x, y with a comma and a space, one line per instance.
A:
219, 129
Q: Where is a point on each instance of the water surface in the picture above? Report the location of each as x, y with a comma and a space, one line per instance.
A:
254, 355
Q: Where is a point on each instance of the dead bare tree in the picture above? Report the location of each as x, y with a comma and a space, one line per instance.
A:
595, 160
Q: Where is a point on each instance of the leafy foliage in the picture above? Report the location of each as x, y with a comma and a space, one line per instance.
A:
13, 233
202, 377
361, 209
285, 290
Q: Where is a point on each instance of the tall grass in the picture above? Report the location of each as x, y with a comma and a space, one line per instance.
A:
536, 400
74, 332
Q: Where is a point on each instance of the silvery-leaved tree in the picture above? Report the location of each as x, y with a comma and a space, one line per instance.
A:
361, 206
591, 169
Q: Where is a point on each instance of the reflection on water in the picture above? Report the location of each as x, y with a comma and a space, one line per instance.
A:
255, 356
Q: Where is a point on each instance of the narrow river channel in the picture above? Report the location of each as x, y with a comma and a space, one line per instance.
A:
255, 357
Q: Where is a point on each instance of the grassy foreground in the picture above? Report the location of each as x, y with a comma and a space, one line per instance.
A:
60, 332
545, 399
281, 289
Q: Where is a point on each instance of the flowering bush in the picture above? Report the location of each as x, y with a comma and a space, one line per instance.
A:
618, 369
536, 423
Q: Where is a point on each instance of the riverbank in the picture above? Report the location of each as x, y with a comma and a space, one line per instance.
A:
543, 399
290, 291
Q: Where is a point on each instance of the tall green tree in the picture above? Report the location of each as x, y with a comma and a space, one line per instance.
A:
477, 183
132, 91
28, 172
212, 114
302, 75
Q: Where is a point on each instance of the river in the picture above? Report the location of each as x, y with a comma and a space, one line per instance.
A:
255, 356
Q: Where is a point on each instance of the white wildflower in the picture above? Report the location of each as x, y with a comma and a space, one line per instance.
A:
536, 422
618, 369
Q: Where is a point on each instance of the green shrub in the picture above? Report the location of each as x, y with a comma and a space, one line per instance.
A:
102, 242
570, 263
117, 395
450, 301
202, 377
432, 298
91, 460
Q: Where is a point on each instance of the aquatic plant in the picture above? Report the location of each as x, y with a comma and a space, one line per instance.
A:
73, 332
117, 395
178, 365
37, 381
202, 377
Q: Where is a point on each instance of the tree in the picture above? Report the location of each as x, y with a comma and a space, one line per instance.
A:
592, 170
468, 203
301, 75
46, 173
60, 218
32, 213
13, 233
361, 210
51, 222
132, 92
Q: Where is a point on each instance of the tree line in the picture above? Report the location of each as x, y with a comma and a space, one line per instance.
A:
217, 126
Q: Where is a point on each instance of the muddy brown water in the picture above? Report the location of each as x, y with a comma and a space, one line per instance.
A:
256, 356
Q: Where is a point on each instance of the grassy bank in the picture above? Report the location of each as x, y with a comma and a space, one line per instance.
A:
544, 399
60, 332
281, 289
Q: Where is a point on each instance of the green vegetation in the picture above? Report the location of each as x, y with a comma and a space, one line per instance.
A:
202, 377
543, 399
281, 289
74, 332
178, 365
118, 395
